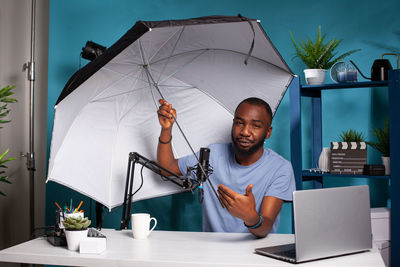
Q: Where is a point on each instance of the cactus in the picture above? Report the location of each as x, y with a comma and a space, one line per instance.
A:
76, 223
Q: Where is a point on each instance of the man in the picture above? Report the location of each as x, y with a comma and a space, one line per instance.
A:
266, 178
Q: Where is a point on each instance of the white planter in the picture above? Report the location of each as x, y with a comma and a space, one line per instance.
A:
315, 76
386, 163
74, 238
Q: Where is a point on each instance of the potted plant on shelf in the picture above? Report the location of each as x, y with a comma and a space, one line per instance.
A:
352, 136
76, 229
318, 56
382, 145
5, 99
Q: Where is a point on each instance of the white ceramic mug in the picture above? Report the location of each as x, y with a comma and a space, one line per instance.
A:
141, 225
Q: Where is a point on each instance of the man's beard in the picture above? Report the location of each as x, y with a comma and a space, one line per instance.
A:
251, 150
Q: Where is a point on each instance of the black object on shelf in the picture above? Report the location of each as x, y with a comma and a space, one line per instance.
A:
374, 170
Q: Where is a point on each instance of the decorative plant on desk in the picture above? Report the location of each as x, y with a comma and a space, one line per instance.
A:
318, 56
383, 144
76, 223
5, 99
76, 229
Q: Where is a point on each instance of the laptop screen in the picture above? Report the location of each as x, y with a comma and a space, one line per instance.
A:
331, 221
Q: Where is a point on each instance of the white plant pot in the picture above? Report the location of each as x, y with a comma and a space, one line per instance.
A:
386, 163
74, 238
315, 76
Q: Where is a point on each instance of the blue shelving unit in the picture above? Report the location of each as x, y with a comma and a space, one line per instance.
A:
314, 92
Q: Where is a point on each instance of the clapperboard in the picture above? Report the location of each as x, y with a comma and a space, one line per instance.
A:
348, 157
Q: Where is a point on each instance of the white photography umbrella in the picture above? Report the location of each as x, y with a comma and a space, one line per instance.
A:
203, 66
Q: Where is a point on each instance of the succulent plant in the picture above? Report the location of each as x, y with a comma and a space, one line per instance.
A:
76, 223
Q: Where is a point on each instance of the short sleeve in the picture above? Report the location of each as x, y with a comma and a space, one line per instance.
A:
283, 183
187, 161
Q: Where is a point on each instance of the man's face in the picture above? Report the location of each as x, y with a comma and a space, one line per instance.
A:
251, 125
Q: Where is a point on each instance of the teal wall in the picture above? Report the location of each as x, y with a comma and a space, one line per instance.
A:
373, 26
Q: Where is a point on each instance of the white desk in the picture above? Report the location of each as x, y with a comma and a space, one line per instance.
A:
165, 248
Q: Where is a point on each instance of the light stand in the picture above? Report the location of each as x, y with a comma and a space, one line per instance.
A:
30, 156
185, 183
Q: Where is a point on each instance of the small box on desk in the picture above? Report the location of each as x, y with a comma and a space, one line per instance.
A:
348, 157
95, 243
92, 245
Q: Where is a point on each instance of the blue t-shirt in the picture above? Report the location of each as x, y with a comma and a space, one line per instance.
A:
271, 175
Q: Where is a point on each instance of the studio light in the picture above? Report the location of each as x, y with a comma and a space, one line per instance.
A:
92, 50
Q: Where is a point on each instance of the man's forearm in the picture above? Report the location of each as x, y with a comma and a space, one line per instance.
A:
270, 208
165, 156
263, 229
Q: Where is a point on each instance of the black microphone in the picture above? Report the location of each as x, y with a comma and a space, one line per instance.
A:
203, 169
204, 161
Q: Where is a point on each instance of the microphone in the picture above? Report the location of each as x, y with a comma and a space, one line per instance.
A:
203, 170
204, 161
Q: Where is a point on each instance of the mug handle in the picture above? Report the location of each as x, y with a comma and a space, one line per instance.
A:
155, 224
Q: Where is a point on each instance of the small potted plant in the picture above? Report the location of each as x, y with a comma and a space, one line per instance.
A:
318, 56
382, 145
76, 229
352, 136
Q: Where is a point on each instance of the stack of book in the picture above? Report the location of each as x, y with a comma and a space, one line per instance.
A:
348, 157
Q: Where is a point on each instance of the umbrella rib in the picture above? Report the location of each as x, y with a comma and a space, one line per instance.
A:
142, 54
163, 44
177, 86
220, 49
172, 51
184, 65
146, 65
122, 93
125, 63
124, 75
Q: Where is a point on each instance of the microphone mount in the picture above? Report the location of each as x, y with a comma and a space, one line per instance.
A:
135, 158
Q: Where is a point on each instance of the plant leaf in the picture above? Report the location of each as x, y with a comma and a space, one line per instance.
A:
319, 55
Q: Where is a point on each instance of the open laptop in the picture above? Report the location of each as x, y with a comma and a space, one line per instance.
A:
327, 222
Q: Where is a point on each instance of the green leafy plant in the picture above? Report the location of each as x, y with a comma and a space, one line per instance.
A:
76, 223
5, 99
382, 144
319, 55
352, 136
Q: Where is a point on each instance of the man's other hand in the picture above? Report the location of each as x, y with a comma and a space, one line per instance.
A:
241, 206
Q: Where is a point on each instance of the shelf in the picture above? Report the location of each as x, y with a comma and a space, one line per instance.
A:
347, 85
312, 90
297, 91
306, 173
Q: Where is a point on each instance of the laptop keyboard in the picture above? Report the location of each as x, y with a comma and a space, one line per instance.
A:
287, 253
283, 252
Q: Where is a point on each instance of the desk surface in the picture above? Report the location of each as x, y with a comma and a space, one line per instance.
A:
166, 248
